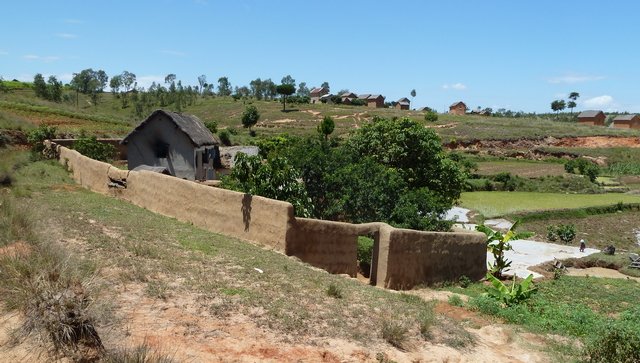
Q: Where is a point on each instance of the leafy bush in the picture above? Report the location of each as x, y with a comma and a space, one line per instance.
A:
94, 149
464, 281
334, 291
485, 304
250, 116
37, 136
225, 137
431, 116
514, 295
565, 232
614, 343
395, 333
275, 179
455, 300
585, 167
212, 126
365, 254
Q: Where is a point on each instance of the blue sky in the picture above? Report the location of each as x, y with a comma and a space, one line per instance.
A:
519, 55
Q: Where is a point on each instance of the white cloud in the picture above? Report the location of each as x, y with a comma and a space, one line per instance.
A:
66, 35
65, 77
574, 78
173, 52
46, 59
604, 101
456, 86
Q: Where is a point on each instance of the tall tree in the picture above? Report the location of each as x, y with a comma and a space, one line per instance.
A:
202, 80
40, 86
285, 90
269, 88
54, 89
326, 127
257, 89
169, 78
224, 86
303, 90
102, 78
573, 96
115, 84
558, 105
250, 117
413, 95
325, 84
288, 80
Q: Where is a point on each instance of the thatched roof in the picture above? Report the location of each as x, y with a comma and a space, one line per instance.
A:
189, 124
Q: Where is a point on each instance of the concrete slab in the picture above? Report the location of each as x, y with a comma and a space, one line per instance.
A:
528, 253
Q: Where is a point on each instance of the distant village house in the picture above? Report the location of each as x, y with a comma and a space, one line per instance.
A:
592, 117
347, 97
317, 93
458, 108
180, 143
375, 101
627, 122
403, 104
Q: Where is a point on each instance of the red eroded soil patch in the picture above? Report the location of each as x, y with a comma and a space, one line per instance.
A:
599, 141
17, 249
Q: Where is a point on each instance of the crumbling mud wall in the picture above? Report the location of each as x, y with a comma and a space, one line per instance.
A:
402, 258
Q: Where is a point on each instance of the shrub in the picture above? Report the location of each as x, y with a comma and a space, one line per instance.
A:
484, 304
94, 149
365, 254
250, 117
565, 232
431, 116
425, 322
225, 137
212, 126
455, 300
464, 281
615, 343
394, 333
514, 295
334, 291
36, 137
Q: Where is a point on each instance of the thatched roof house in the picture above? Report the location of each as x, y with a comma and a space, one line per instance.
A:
179, 142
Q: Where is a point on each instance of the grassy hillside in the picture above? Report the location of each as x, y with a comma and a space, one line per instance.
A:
108, 118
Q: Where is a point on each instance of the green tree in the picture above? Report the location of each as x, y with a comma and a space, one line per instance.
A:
573, 96
276, 179
325, 84
115, 84
431, 116
326, 127
413, 95
558, 105
202, 81
285, 90
250, 117
224, 87
40, 86
414, 150
54, 89
303, 90
288, 80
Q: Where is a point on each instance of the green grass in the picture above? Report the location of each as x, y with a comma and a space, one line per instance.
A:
109, 118
496, 204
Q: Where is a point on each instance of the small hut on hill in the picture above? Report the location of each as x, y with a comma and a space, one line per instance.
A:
592, 117
180, 143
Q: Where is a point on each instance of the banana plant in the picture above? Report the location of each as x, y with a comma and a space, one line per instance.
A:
513, 295
498, 243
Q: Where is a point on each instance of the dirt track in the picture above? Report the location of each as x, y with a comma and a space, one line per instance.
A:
586, 142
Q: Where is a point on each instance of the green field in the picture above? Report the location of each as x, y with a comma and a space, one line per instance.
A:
496, 204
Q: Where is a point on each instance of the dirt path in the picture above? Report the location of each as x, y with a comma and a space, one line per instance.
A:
599, 272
